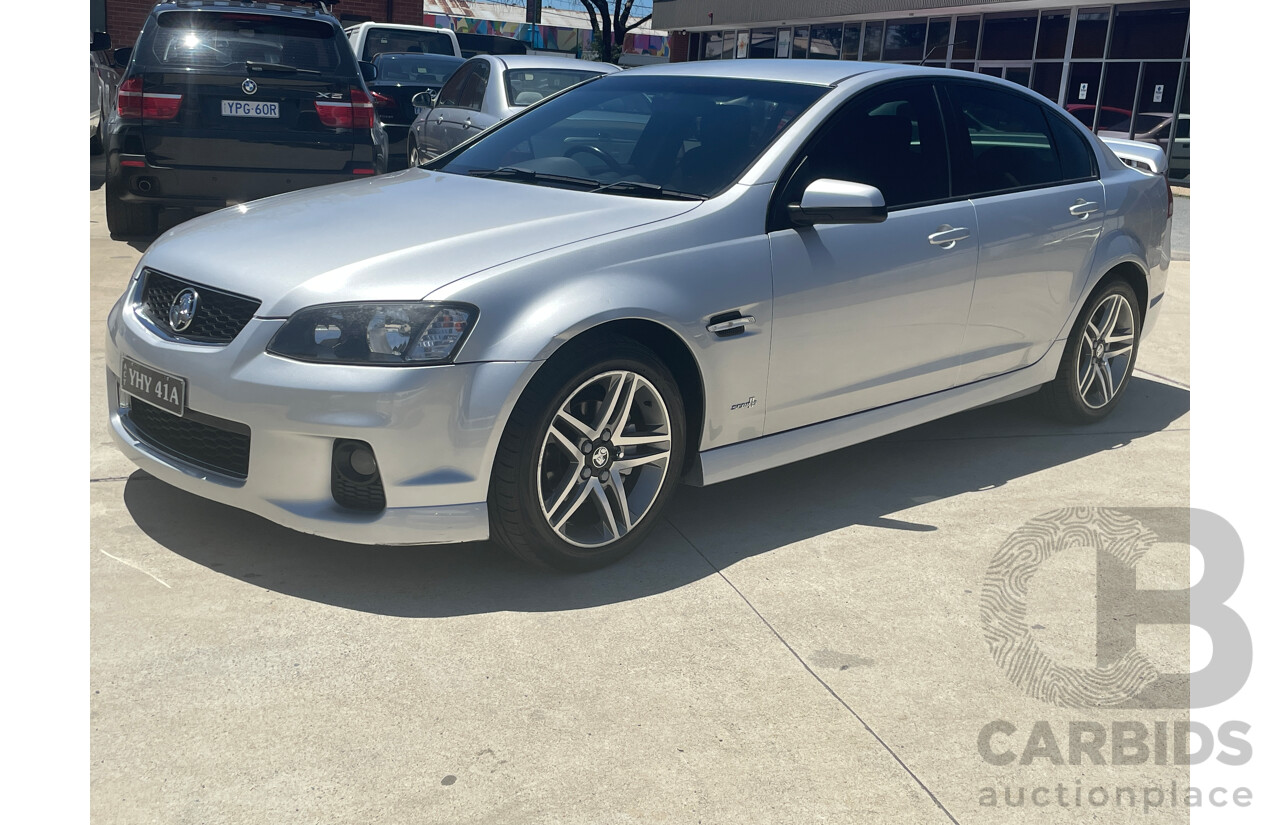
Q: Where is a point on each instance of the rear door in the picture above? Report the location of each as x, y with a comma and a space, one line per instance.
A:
1033, 181
248, 86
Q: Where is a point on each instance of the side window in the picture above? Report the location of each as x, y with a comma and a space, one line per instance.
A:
1074, 153
450, 92
471, 95
1003, 141
891, 138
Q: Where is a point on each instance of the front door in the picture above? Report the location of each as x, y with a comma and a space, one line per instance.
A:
871, 314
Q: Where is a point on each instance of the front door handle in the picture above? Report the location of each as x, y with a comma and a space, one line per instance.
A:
466, 124
1082, 208
439, 119
947, 237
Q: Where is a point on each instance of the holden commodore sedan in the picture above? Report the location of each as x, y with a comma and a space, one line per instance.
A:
677, 273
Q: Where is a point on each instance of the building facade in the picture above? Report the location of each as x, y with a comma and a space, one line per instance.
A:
1122, 68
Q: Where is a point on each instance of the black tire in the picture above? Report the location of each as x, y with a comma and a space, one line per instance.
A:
1063, 398
411, 153
129, 220
516, 516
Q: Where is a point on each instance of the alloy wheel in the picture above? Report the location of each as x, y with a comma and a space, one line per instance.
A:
1106, 351
603, 459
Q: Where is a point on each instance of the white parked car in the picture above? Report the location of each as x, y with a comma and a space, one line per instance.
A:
488, 89
368, 40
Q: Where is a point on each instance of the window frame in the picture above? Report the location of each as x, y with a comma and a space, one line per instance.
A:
779, 218
958, 137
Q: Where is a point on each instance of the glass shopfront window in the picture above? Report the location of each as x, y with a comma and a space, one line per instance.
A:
852, 41
800, 43
1150, 30
966, 39
872, 40
1008, 36
904, 40
1052, 42
935, 45
764, 43
1047, 79
824, 42
1091, 32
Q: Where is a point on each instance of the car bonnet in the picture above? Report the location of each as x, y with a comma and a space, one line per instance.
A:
394, 237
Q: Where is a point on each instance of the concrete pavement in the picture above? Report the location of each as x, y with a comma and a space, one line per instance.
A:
799, 646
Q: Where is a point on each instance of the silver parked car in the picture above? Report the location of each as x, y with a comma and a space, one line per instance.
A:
686, 272
488, 89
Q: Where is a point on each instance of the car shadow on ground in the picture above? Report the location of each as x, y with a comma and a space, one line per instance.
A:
861, 485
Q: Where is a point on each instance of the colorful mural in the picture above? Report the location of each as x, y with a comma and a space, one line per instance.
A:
548, 38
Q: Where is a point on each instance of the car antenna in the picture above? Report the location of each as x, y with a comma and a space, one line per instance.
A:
942, 45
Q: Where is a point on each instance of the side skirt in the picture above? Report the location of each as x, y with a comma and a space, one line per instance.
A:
734, 460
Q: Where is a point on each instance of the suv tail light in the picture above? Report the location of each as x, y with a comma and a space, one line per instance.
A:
357, 114
363, 109
132, 102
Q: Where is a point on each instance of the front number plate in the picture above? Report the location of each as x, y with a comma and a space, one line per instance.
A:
250, 108
159, 389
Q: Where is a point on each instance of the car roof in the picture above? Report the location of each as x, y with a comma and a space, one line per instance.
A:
542, 61
403, 26
238, 5
822, 72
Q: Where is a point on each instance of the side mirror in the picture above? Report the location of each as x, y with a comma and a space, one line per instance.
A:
838, 201
99, 42
423, 100
120, 57
368, 71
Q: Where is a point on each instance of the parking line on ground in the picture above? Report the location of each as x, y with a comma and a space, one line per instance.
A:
135, 567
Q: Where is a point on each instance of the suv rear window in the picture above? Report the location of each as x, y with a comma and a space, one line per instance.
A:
377, 41
217, 39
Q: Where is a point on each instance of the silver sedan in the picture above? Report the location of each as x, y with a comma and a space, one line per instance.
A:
678, 273
488, 89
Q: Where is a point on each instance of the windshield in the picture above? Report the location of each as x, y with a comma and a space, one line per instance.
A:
689, 135
525, 86
432, 70
217, 39
378, 41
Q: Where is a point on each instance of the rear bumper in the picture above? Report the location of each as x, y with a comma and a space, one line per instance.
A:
214, 188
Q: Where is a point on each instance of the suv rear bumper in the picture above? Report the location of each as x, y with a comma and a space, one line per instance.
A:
215, 188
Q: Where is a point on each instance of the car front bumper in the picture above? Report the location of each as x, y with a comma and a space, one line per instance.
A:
433, 430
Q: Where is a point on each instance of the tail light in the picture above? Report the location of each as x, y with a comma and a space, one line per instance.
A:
363, 109
357, 114
132, 102
383, 102
1168, 188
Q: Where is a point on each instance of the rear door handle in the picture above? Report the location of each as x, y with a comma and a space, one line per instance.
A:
947, 237
466, 124
1082, 208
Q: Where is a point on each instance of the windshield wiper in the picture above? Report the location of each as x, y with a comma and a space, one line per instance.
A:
255, 66
648, 190
529, 176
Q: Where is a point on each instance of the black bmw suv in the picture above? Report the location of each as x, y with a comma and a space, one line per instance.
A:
224, 101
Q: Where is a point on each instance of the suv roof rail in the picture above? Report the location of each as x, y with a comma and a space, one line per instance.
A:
314, 6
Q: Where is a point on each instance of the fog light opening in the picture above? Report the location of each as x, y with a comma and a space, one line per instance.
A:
356, 482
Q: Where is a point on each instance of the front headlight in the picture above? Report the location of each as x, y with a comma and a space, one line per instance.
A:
396, 334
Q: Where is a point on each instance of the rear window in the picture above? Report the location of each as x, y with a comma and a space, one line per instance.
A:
416, 68
214, 39
378, 41
525, 86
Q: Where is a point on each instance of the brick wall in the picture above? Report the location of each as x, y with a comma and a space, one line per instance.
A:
125, 17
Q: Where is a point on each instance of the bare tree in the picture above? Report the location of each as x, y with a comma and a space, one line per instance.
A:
611, 20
